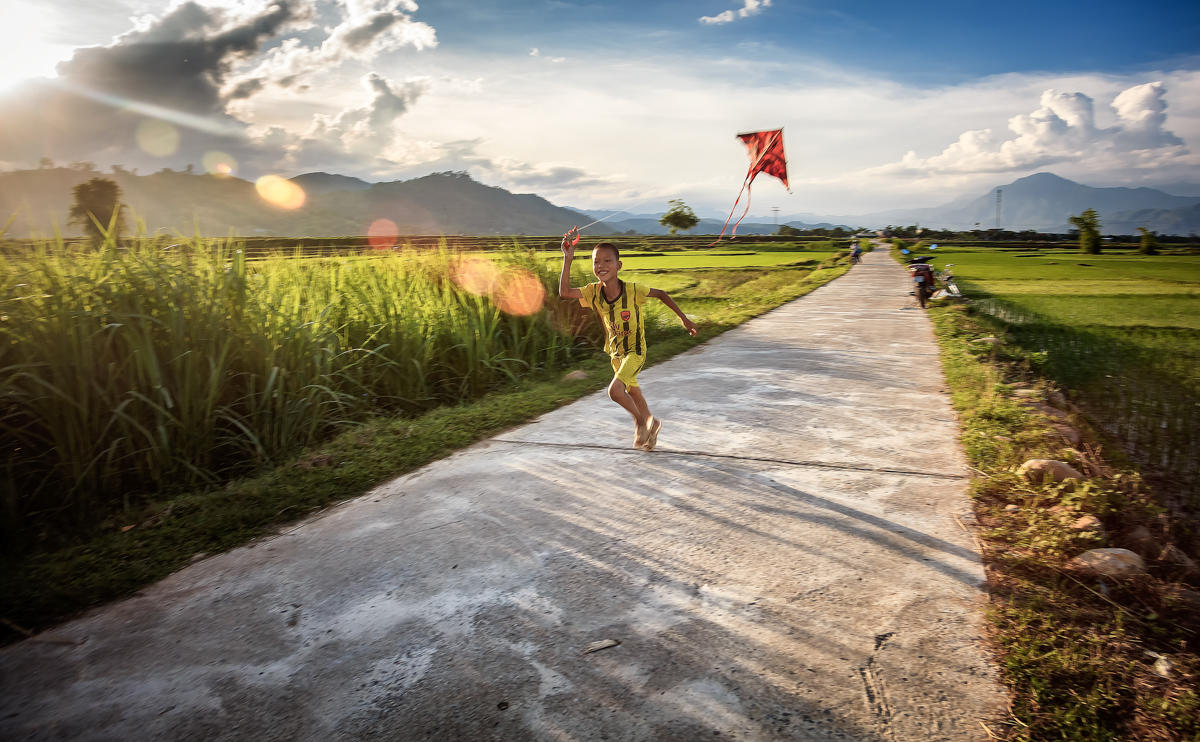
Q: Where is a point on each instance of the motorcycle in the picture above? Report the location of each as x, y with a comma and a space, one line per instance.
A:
922, 275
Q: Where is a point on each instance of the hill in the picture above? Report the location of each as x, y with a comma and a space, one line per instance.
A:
184, 202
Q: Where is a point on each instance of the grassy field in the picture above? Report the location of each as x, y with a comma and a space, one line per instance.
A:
256, 392
1118, 334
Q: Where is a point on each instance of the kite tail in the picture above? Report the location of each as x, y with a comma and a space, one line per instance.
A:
735, 205
744, 213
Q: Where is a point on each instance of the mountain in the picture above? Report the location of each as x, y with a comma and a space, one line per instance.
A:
336, 205
1045, 202
315, 184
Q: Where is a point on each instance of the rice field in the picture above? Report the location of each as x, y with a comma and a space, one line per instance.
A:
127, 374
1119, 331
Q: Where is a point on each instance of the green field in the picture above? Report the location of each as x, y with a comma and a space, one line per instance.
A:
1120, 331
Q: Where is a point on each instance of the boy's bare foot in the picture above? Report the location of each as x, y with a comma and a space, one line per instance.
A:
651, 439
639, 437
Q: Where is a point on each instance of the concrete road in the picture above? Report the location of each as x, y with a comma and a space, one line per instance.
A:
787, 565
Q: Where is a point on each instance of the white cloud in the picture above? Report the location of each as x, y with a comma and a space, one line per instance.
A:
749, 8
1062, 130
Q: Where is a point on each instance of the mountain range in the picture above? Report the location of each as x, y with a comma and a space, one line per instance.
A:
453, 203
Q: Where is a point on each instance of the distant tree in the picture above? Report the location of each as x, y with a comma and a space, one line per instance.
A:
679, 216
83, 166
1088, 224
190, 168
787, 231
46, 163
118, 170
98, 200
1148, 245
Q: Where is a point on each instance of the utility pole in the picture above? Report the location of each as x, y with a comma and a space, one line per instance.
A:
998, 192
775, 210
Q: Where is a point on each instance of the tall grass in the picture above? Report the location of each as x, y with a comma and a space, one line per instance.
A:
133, 370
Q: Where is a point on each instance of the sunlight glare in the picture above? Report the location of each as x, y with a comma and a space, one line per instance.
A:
157, 138
280, 192
477, 275
219, 163
520, 293
383, 234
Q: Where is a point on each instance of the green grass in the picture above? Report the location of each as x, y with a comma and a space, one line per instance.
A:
1073, 649
136, 541
1121, 335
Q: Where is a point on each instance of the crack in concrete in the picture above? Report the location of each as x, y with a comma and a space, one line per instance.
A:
761, 459
875, 690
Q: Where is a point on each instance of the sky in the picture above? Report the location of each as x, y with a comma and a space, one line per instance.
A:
616, 104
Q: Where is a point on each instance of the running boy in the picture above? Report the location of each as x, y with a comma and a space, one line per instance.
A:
619, 306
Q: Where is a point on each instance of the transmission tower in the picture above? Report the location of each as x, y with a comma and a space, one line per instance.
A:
775, 210
998, 192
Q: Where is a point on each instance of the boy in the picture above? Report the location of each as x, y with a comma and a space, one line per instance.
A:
619, 306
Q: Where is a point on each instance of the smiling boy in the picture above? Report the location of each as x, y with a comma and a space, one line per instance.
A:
619, 306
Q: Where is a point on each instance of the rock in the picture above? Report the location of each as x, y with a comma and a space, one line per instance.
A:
1057, 399
1176, 557
1109, 563
1182, 597
1069, 434
576, 375
1088, 523
1140, 539
1048, 411
1041, 470
1011, 508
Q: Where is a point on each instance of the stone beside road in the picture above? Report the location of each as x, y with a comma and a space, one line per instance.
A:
789, 564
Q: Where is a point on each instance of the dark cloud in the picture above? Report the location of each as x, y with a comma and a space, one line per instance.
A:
172, 69
360, 37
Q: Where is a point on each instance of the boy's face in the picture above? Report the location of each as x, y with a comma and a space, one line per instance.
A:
605, 264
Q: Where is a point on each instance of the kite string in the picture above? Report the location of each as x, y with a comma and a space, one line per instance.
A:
744, 213
731, 210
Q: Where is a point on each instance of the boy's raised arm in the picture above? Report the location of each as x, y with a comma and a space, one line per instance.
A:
564, 279
688, 325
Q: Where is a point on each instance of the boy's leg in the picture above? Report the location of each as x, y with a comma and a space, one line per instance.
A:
621, 390
650, 438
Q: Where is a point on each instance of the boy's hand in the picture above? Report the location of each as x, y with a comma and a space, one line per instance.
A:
569, 241
690, 326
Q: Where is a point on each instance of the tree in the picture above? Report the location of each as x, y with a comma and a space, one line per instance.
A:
1088, 224
787, 230
98, 200
1148, 244
46, 163
679, 216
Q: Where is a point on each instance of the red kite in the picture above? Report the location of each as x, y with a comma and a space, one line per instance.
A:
766, 156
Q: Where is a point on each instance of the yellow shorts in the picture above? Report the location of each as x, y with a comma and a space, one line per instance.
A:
626, 368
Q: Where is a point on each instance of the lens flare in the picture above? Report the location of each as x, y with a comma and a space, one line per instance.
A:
219, 163
520, 293
476, 275
383, 234
280, 192
157, 138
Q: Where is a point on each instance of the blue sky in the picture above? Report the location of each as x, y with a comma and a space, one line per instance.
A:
617, 104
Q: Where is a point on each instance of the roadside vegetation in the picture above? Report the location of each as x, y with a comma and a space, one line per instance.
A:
1090, 360
162, 400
